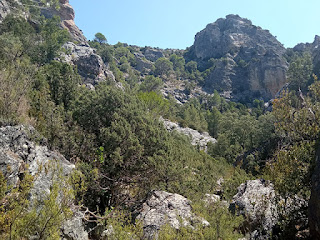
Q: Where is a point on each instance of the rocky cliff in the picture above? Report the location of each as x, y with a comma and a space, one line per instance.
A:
248, 60
67, 15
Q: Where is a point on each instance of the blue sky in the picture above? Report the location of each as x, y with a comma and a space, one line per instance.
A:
174, 23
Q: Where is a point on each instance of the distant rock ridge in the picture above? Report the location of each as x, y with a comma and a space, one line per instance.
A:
248, 60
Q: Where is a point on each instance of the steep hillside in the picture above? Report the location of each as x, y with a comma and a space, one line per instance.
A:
154, 143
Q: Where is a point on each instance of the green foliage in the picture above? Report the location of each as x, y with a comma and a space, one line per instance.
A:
42, 44
63, 82
151, 83
178, 63
240, 134
128, 135
232, 181
300, 72
298, 125
194, 117
213, 118
54, 37
125, 66
31, 4
51, 211
155, 103
100, 38
15, 80
191, 66
120, 226
163, 66
42, 218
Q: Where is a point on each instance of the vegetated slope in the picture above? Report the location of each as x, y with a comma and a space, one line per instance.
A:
122, 152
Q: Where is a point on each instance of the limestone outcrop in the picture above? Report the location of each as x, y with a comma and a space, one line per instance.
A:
90, 65
20, 155
256, 201
4, 9
166, 208
152, 54
197, 138
248, 60
263, 209
67, 15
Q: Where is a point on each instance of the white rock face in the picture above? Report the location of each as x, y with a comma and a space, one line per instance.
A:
4, 10
197, 138
162, 208
19, 154
256, 201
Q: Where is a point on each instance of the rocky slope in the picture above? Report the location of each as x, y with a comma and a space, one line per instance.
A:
67, 15
20, 155
248, 60
263, 210
90, 66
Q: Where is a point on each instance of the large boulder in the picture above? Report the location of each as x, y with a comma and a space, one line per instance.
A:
248, 60
153, 54
256, 201
142, 64
19, 154
263, 209
166, 208
90, 65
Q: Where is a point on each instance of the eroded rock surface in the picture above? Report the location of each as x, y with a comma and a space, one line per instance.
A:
143, 65
19, 154
4, 9
248, 60
197, 138
90, 65
256, 201
166, 208
153, 54
67, 15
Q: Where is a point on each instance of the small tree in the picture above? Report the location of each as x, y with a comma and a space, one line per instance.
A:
191, 66
99, 37
163, 66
